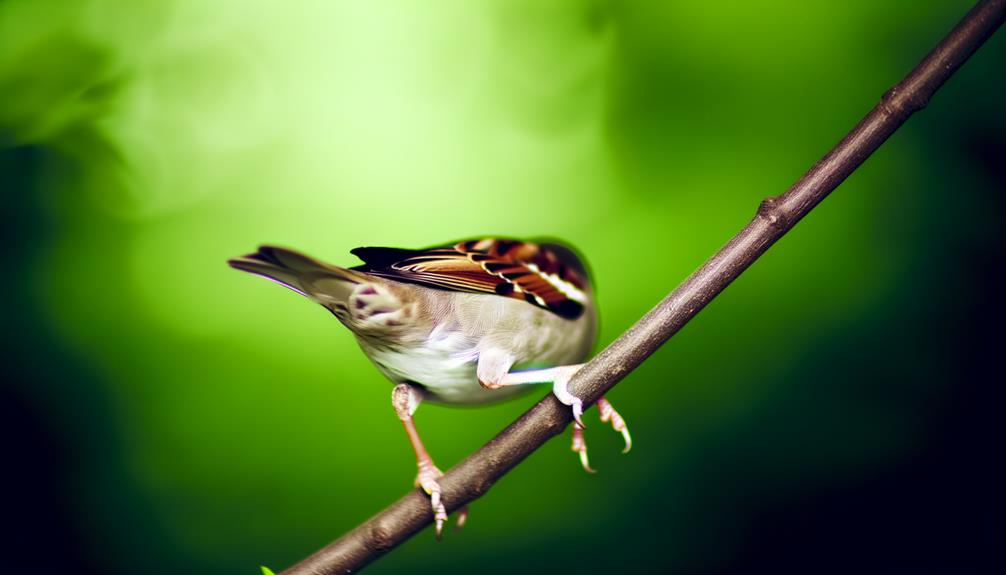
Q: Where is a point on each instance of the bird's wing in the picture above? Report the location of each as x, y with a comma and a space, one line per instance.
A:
547, 275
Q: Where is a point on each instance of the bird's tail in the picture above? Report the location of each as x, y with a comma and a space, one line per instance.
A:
326, 284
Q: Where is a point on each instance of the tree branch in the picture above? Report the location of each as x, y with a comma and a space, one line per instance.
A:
473, 477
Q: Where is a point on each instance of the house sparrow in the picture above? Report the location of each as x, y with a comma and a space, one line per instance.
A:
462, 324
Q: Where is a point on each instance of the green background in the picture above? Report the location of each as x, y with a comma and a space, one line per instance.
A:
167, 414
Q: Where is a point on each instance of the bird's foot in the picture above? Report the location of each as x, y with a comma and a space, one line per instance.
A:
560, 377
580, 446
560, 382
427, 480
608, 413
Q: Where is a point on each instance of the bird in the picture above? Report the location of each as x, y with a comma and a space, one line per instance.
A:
463, 323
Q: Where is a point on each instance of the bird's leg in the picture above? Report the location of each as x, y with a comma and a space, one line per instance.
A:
560, 376
406, 399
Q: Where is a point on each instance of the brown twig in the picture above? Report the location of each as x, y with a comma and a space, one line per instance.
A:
473, 477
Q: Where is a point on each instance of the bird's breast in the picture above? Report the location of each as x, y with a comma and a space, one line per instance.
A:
444, 369
442, 357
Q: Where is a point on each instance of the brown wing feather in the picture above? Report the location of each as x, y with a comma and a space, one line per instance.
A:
549, 276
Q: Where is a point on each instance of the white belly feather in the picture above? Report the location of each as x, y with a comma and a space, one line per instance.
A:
442, 356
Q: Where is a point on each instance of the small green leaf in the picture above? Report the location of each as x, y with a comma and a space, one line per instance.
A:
266, 570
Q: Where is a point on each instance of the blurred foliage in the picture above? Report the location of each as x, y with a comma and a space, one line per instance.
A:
187, 418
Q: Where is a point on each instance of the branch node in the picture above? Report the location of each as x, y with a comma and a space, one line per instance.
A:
899, 102
381, 536
770, 212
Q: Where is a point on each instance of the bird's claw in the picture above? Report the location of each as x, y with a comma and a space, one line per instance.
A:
462, 518
427, 480
560, 388
580, 446
578, 413
608, 413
